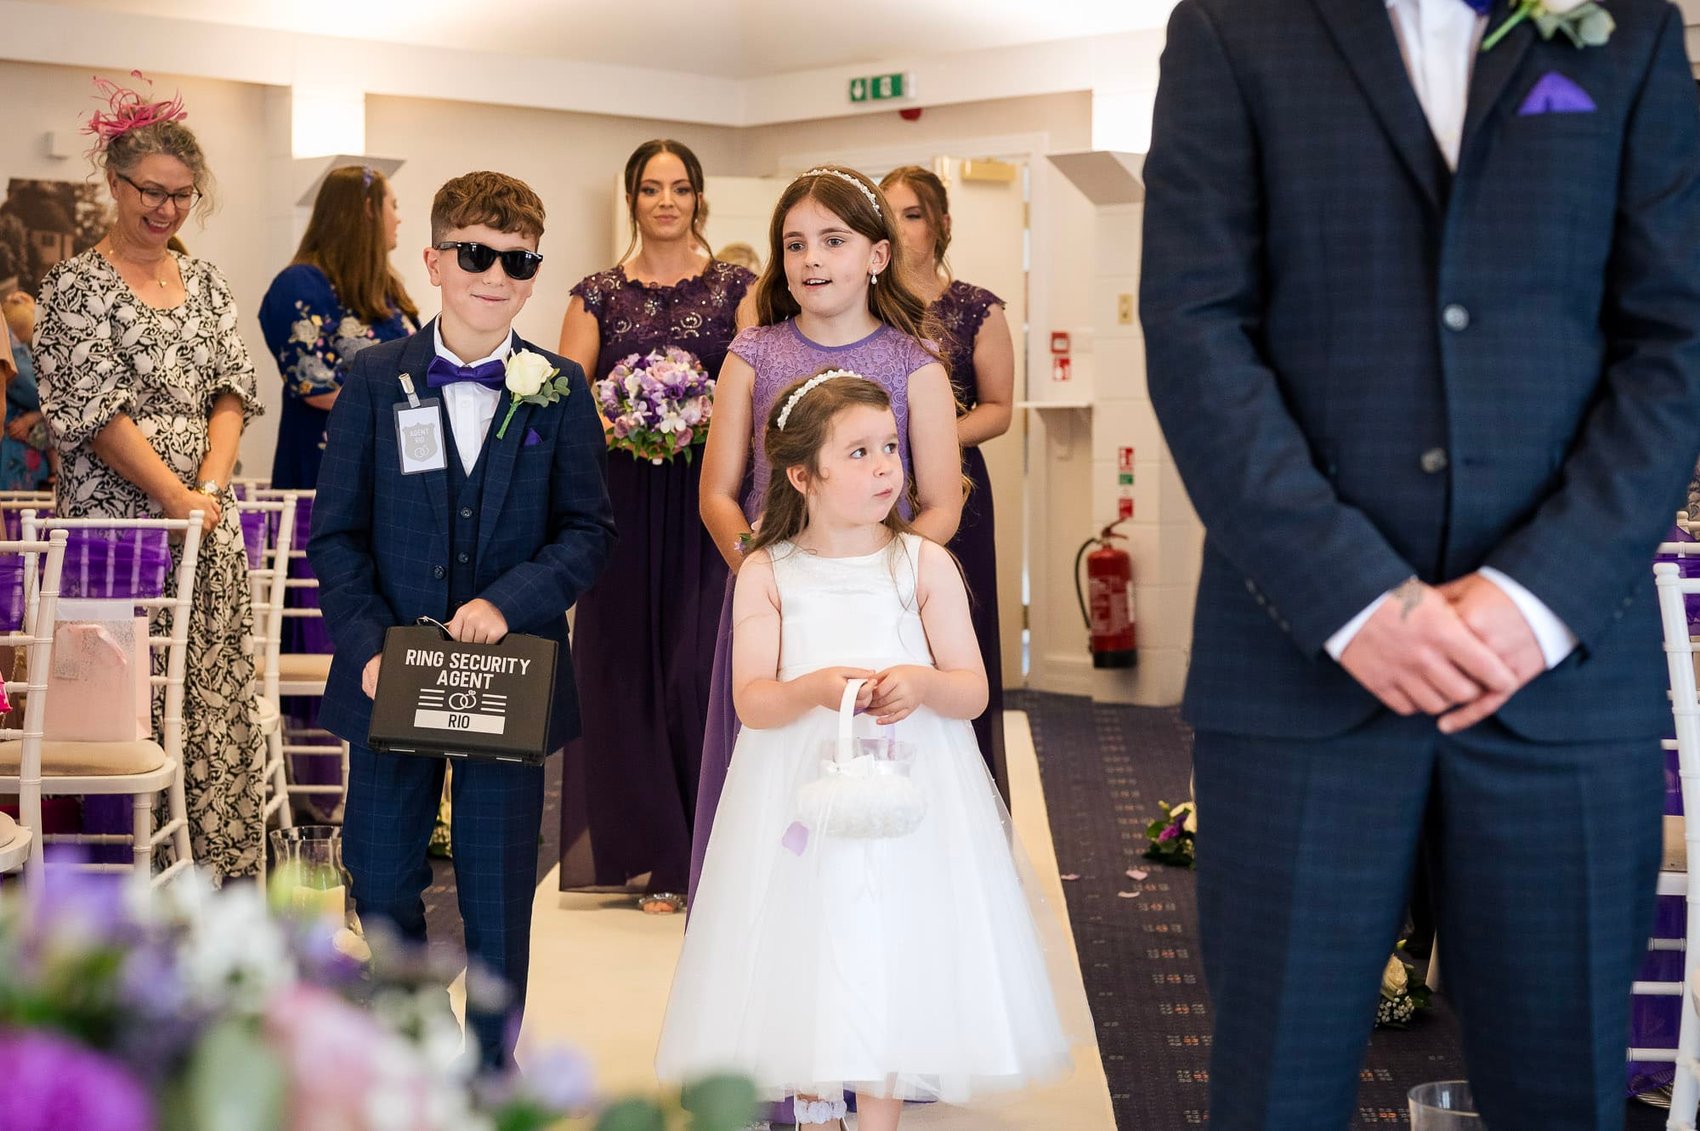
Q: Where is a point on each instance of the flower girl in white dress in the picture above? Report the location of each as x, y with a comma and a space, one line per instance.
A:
858, 927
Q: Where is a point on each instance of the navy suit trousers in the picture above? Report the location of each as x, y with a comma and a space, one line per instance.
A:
497, 816
1544, 857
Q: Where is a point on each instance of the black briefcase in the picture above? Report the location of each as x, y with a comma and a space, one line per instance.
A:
441, 698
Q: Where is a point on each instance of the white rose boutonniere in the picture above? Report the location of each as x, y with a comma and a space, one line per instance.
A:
1584, 22
530, 379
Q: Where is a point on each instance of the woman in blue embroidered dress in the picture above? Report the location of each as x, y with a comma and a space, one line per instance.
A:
976, 342
336, 297
644, 635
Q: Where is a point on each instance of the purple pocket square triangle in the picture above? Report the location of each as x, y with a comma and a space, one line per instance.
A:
1555, 94
532, 437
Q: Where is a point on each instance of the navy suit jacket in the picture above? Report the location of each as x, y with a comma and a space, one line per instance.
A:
380, 539
1369, 367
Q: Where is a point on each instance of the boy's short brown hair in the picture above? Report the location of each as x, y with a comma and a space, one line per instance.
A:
495, 200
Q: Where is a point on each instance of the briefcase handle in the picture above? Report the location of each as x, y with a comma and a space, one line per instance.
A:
436, 624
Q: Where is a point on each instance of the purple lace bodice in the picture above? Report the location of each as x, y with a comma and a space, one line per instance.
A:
696, 314
960, 310
780, 355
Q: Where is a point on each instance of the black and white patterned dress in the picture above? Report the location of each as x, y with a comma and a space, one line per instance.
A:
101, 352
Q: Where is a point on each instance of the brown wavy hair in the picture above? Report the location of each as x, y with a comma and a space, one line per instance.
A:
934, 201
785, 510
345, 240
893, 300
635, 165
495, 200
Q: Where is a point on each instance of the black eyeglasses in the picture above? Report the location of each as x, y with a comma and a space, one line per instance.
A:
184, 199
476, 258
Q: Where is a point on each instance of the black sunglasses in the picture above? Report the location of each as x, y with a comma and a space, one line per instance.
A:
476, 258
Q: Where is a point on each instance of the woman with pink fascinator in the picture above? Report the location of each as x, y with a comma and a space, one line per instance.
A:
147, 387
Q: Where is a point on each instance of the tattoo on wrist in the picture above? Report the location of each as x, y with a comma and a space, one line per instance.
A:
1410, 594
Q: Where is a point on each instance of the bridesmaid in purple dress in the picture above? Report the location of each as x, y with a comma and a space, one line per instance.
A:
644, 636
826, 300
977, 344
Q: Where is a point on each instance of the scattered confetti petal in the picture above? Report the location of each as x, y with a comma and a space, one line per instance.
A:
1069, 876
1137, 873
1127, 895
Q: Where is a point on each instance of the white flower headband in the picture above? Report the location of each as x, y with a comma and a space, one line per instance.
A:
809, 385
853, 179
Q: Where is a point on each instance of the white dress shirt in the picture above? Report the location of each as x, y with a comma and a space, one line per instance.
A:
1439, 40
469, 406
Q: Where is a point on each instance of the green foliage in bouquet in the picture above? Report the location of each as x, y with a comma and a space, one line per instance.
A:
1172, 834
201, 1010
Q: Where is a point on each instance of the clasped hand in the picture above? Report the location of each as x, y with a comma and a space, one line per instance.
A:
476, 622
1459, 651
890, 695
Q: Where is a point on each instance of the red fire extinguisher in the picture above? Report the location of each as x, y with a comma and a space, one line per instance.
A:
1110, 621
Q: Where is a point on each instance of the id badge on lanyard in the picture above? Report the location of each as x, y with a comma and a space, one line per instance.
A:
419, 432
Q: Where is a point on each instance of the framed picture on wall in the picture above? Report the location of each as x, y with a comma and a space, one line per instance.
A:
43, 223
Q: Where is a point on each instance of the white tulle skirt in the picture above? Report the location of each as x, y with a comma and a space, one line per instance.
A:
914, 967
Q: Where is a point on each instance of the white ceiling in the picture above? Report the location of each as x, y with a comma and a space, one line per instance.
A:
736, 39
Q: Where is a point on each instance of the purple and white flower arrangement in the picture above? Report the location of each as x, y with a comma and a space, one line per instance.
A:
201, 1010
657, 404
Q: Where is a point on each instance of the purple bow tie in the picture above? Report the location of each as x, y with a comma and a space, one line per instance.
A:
1482, 7
442, 372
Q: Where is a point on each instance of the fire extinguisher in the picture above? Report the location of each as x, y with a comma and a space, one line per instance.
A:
1109, 621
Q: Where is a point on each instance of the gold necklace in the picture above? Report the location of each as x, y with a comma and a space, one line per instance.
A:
113, 258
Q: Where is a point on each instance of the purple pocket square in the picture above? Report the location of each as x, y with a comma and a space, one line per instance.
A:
531, 437
1555, 94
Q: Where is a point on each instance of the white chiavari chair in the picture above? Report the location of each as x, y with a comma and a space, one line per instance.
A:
21, 840
145, 768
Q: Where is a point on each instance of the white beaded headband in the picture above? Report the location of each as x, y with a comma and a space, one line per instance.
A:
809, 385
853, 179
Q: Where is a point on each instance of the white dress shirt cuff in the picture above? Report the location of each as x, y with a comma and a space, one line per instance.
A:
1336, 644
1553, 635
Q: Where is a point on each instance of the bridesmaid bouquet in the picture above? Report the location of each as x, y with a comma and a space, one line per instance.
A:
658, 403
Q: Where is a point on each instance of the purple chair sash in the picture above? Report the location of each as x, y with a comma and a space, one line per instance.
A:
98, 564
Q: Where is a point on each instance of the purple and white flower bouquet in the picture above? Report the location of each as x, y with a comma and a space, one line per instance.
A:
657, 404
204, 1010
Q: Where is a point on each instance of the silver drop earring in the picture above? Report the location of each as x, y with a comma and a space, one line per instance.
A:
873, 278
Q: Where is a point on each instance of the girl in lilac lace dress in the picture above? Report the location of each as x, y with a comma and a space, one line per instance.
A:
826, 300
644, 636
981, 353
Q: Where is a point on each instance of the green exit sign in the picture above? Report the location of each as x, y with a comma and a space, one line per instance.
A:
881, 88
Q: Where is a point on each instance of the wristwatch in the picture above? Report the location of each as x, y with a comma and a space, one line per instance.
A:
210, 488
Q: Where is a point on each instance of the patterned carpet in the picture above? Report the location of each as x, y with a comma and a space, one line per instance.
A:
1139, 951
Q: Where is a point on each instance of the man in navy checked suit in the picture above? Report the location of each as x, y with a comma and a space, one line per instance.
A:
503, 537
1423, 331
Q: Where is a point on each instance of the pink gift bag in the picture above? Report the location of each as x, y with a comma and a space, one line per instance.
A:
97, 687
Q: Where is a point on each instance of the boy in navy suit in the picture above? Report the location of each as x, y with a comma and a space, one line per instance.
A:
424, 510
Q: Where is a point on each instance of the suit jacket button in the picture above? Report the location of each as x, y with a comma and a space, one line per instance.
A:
466, 512
1433, 461
438, 572
1455, 318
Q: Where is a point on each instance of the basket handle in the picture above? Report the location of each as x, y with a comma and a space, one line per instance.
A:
847, 719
